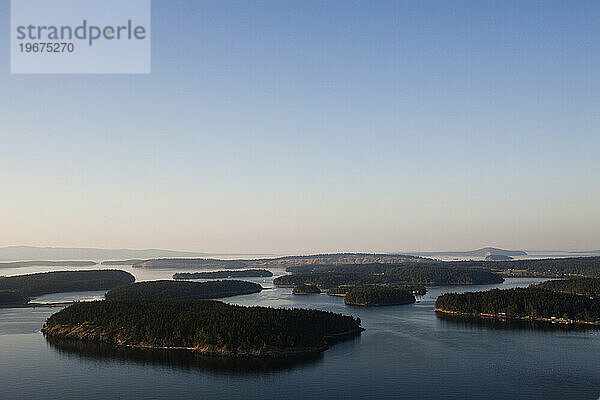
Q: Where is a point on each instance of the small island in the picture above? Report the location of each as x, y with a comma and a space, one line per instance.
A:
378, 296
306, 289
18, 290
242, 273
203, 326
183, 290
530, 303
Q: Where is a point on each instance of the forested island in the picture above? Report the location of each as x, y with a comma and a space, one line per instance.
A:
306, 289
182, 290
532, 303
203, 326
242, 273
370, 274
21, 288
378, 296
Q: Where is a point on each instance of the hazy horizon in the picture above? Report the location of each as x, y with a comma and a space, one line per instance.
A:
309, 127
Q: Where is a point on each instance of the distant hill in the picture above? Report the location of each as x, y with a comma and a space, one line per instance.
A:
28, 253
483, 252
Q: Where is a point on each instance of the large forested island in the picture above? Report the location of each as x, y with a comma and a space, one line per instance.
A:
242, 273
182, 290
207, 327
530, 303
370, 274
19, 289
378, 296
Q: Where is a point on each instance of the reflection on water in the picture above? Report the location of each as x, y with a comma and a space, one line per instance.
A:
465, 321
180, 358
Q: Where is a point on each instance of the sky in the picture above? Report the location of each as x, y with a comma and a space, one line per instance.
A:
317, 126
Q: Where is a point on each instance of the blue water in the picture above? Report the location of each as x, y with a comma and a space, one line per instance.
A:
406, 352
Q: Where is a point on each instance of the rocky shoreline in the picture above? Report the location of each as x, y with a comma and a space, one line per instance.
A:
88, 333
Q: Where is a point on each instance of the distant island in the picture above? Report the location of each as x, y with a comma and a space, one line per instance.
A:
206, 327
378, 296
17, 264
369, 274
532, 303
21, 288
244, 273
306, 289
182, 290
279, 262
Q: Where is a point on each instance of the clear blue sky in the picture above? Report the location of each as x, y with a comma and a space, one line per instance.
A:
301, 126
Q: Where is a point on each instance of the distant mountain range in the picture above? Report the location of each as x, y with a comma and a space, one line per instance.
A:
25, 253
483, 252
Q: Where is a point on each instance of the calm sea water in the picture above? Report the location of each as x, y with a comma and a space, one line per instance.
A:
406, 352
